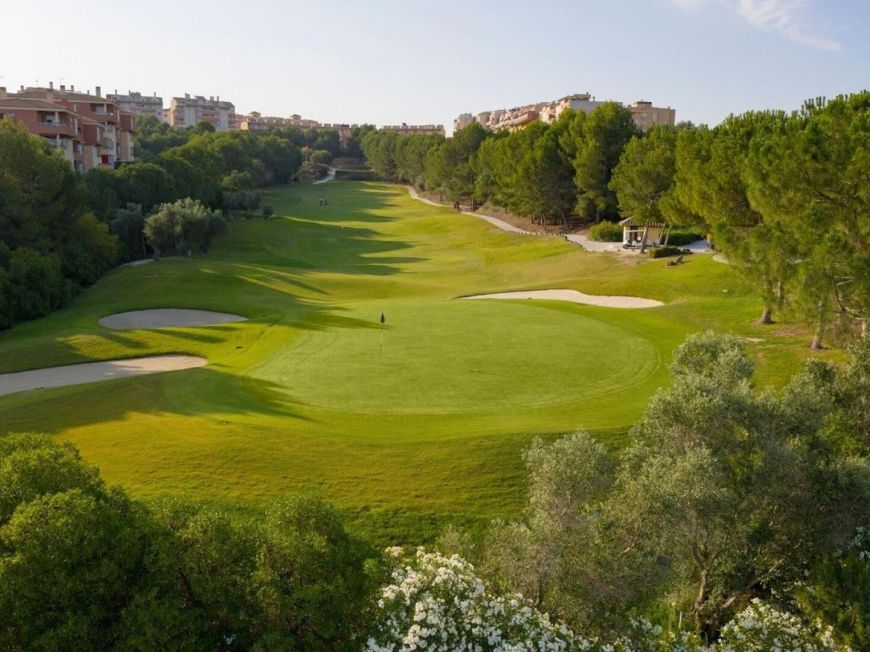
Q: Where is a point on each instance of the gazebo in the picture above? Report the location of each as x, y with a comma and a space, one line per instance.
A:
633, 233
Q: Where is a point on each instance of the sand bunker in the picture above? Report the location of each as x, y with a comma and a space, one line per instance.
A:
167, 317
91, 372
575, 297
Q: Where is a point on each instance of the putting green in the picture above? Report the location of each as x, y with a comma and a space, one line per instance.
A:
463, 357
406, 426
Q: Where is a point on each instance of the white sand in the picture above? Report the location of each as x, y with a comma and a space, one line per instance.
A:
167, 317
575, 297
91, 372
504, 226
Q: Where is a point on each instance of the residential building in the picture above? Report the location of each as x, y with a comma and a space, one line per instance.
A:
254, 121
236, 120
297, 120
138, 104
409, 130
645, 115
189, 111
462, 121
104, 133
576, 102
56, 124
520, 116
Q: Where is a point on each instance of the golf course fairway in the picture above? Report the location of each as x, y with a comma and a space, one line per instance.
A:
406, 425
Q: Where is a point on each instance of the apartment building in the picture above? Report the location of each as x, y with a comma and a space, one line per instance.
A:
297, 120
57, 125
410, 130
138, 104
90, 126
645, 115
236, 120
189, 111
462, 121
255, 121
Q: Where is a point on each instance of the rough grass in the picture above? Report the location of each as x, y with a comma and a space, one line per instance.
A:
406, 426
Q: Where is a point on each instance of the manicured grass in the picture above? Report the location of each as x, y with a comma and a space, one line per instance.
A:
407, 426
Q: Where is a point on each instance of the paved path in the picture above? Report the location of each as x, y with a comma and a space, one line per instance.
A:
605, 301
91, 372
504, 226
594, 245
330, 176
697, 247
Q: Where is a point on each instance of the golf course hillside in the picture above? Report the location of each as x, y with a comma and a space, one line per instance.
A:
345, 361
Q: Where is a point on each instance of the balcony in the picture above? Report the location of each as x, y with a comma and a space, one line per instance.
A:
51, 127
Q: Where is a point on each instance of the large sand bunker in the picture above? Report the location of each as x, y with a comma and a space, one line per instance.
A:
575, 297
91, 372
167, 318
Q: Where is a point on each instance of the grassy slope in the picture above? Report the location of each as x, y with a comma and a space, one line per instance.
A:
408, 426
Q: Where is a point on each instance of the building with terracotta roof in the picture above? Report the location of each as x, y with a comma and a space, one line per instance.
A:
255, 121
89, 130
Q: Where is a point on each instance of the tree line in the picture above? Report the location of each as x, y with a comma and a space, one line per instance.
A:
60, 232
735, 520
784, 196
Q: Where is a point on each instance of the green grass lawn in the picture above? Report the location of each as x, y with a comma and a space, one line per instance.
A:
407, 426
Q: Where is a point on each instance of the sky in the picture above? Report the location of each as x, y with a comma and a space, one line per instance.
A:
388, 62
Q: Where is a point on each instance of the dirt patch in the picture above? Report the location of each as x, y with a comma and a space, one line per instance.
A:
167, 318
575, 297
92, 372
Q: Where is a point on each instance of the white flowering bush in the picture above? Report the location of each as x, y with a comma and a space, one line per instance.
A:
438, 603
761, 627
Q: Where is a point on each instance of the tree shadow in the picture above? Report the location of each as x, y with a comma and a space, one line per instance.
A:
56, 409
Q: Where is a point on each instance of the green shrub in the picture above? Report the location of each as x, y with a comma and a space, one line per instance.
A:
664, 252
321, 157
356, 175
606, 232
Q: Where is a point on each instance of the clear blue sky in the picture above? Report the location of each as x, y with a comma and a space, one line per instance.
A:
385, 61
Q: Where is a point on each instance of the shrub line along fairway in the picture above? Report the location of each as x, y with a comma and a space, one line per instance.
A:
406, 425
91, 372
574, 297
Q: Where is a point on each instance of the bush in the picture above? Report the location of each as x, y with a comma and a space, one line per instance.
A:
182, 227
321, 157
664, 252
240, 200
606, 232
439, 603
267, 211
356, 175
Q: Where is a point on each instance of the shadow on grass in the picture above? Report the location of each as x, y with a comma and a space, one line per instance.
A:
203, 392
